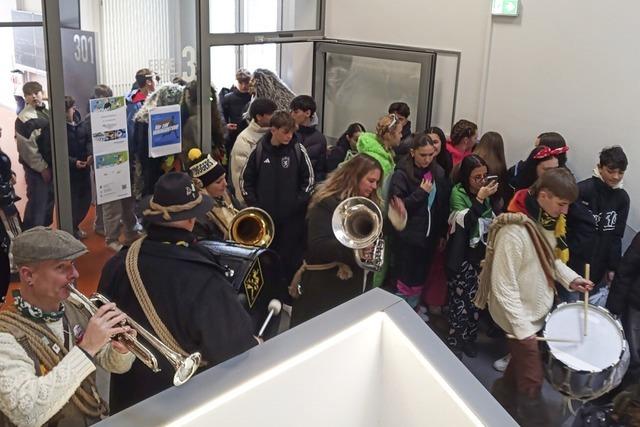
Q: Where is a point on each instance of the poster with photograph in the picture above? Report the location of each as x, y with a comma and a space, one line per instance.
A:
165, 131
110, 148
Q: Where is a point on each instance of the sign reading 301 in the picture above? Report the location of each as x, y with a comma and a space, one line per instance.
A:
84, 50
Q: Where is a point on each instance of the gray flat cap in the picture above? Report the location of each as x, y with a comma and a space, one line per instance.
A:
43, 243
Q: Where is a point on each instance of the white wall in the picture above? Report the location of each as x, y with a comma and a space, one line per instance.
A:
561, 66
571, 67
459, 25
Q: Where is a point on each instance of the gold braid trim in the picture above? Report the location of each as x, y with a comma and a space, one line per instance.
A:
90, 405
543, 250
162, 332
166, 211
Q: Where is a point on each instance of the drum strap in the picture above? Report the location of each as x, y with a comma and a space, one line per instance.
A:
543, 250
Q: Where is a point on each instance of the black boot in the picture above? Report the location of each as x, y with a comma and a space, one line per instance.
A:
532, 411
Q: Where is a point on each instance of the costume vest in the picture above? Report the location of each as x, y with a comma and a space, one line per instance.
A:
70, 415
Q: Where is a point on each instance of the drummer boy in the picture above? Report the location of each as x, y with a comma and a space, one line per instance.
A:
526, 255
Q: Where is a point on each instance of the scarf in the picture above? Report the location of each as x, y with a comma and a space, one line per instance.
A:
596, 174
524, 202
460, 203
34, 313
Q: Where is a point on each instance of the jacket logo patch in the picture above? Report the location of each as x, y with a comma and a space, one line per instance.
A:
610, 220
267, 160
286, 161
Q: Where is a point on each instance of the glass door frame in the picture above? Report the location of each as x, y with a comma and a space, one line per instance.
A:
426, 58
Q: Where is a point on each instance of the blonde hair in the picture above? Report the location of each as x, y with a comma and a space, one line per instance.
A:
387, 123
344, 182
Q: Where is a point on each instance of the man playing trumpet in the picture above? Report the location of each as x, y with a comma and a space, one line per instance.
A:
49, 347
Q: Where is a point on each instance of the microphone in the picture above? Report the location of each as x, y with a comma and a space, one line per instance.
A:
274, 309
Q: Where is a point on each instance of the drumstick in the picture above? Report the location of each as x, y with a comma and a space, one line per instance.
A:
537, 338
587, 273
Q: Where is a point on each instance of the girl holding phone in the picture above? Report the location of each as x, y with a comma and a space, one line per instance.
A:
421, 185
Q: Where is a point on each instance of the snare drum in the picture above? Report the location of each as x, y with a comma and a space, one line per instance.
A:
592, 365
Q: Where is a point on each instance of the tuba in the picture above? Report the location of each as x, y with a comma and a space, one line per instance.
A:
252, 227
185, 367
357, 224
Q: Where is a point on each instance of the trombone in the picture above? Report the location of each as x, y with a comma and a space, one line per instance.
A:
185, 367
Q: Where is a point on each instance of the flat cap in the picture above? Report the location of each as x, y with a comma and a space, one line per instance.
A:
43, 243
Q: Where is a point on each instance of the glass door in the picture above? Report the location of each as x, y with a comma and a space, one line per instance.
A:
356, 82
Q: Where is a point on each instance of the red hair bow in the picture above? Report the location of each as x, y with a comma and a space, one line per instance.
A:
550, 152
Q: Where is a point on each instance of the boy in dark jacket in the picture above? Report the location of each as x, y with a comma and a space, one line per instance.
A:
624, 298
303, 111
278, 177
233, 105
602, 198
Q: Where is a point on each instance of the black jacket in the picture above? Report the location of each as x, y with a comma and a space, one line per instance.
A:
323, 290
79, 148
279, 181
424, 225
625, 289
316, 145
338, 153
233, 106
192, 297
595, 228
403, 148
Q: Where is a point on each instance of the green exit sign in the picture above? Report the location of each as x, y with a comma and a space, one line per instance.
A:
504, 7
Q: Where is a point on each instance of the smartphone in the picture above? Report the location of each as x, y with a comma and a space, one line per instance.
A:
427, 176
490, 178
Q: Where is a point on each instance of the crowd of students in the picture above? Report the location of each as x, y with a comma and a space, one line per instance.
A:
439, 196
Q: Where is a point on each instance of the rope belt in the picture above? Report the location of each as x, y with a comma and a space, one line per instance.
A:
344, 273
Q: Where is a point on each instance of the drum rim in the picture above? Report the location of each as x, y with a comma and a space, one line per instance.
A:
616, 322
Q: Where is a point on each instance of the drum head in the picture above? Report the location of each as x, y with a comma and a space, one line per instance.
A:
599, 349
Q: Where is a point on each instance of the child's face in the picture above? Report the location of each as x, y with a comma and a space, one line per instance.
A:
34, 99
611, 177
281, 136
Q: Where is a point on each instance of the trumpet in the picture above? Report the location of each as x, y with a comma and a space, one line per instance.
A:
185, 367
252, 227
357, 224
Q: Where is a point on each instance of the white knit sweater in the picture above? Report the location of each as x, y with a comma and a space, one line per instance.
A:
242, 148
29, 400
520, 296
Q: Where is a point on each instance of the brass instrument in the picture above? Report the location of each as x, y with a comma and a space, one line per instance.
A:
185, 367
357, 224
252, 227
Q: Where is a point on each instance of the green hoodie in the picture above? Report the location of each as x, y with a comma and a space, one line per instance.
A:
368, 143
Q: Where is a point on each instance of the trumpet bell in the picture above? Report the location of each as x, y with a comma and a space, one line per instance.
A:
252, 227
186, 368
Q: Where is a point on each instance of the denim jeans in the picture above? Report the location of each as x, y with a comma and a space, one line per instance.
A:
39, 209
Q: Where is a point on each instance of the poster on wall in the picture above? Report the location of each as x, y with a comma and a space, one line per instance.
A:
110, 148
165, 131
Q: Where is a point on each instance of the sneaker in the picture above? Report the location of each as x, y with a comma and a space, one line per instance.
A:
500, 365
470, 349
421, 310
80, 235
115, 246
130, 238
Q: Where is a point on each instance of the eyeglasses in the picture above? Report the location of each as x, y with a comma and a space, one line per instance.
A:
479, 178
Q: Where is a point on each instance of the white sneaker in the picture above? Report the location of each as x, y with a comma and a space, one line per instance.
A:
115, 246
501, 364
423, 313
